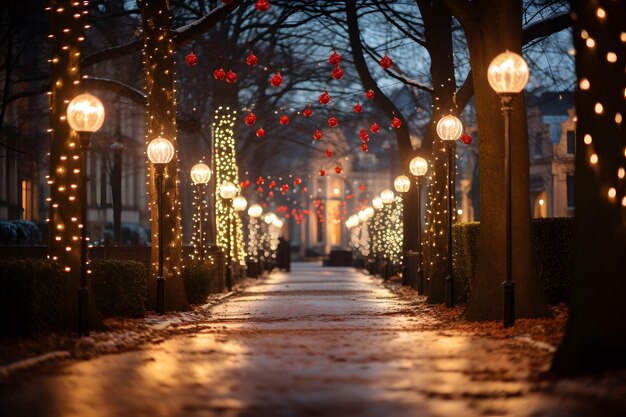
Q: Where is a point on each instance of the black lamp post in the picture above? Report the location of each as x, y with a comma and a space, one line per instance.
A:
160, 152
508, 75
418, 167
200, 175
85, 115
228, 190
449, 129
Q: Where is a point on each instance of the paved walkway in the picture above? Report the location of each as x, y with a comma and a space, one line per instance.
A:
315, 342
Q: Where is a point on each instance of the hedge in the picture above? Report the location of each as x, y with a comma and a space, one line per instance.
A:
120, 287
202, 278
31, 296
20, 232
552, 254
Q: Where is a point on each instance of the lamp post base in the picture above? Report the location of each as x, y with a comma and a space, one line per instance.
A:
449, 292
509, 304
161, 295
83, 311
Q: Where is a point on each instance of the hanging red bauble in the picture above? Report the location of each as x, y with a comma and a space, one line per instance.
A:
284, 188
363, 133
466, 139
231, 77
252, 60
369, 94
395, 122
329, 153
365, 139
375, 128
272, 184
284, 119
386, 61
337, 73
364, 147
362, 187
242, 184
247, 182
317, 135
297, 181
277, 80
250, 119
338, 169
333, 122
322, 172
262, 5
334, 58
324, 97
219, 73
260, 181
259, 189
260, 132
307, 111
271, 194
358, 108
304, 191
191, 59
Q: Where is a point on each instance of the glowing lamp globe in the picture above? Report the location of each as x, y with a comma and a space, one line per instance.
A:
269, 218
418, 166
278, 223
449, 128
200, 173
228, 190
85, 113
255, 211
362, 215
369, 212
160, 151
402, 183
508, 73
388, 196
377, 203
240, 203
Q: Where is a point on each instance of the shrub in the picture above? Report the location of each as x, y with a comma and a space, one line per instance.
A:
31, 296
19, 232
202, 278
120, 287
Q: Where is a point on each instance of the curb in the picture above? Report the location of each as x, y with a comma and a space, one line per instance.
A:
25, 364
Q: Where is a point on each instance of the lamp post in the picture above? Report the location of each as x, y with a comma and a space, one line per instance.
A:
402, 183
507, 76
388, 198
449, 129
418, 167
254, 211
228, 190
85, 115
200, 175
160, 152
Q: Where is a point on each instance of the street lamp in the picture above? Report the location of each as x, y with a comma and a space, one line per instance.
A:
228, 190
508, 75
254, 211
449, 129
377, 203
85, 115
418, 167
200, 175
387, 196
160, 152
402, 183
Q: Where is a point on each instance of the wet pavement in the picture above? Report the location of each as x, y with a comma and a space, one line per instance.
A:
314, 342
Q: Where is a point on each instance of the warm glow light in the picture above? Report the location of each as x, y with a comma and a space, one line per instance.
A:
369, 212
598, 108
587, 139
418, 166
240, 203
584, 84
388, 196
541, 202
160, 151
228, 190
362, 215
621, 173
200, 173
449, 128
402, 183
611, 57
269, 217
459, 212
593, 158
600, 13
377, 202
590, 43
255, 211
85, 113
508, 73
618, 118
612, 192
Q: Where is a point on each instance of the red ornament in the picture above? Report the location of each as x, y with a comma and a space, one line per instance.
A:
271, 194
365, 139
317, 135
386, 61
322, 172
324, 97
284, 188
191, 59
329, 153
250, 119
395, 122
369, 94
297, 181
337, 73
284, 119
277, 80
364, 147
231, 77
272, 184
338, 169
304, 191
333, 122
262, 5
334, 58
363, 133
362, 187
260, 132
358, 108
307, 111
466, 139
259, 189
260, 181
375, 128
252, 60
219, 73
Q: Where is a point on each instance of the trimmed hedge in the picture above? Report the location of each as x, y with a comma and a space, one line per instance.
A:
202, 279
120, 287
31, 296
19, 232
552, 252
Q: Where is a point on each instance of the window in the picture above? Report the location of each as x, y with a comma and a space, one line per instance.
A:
570, 191
571, 142
538, 145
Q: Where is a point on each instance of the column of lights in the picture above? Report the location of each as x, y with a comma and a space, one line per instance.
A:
200, 176
254, 234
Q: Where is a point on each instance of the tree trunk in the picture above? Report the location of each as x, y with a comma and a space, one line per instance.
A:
161, 121
596, 332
